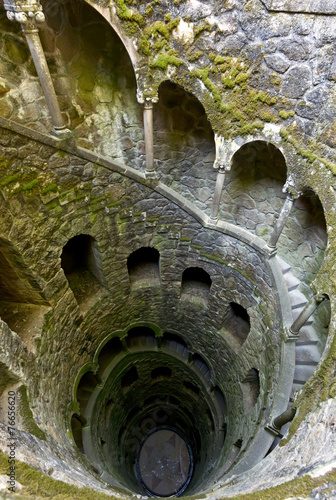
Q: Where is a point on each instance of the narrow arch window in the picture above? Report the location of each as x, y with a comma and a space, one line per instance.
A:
85, 389
18, 285
142, 337
202, 366
129, 378
175, 343
161, 372
220, 400
81, 264
144, 266
196, 285
109, 351
237, 323
77, 423
251, 388
189, 386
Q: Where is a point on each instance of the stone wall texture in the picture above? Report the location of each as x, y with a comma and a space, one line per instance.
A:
259, 75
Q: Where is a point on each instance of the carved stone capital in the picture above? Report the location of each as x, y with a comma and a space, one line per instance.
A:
289, 336
291, 188
147, 97
223, 156
26, 12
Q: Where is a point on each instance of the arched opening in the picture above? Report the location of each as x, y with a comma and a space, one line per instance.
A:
304, 239
202, 367
236, 324
22, 305
94, 79
161, 372
77, 423
109, 351
196, 285
141, 337
175, 343
144, 266
86, 386
184, 145
251, 389
81, 264
129, 378
252, 196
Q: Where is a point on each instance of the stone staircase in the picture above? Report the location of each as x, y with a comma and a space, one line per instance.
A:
311, 341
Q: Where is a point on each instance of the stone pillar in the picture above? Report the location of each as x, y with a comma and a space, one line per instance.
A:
222, 166
148, 103
292, 195
29, 14
305, 314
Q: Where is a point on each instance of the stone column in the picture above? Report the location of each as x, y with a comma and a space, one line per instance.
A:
292, 195
29, 14
222, 166
148, 103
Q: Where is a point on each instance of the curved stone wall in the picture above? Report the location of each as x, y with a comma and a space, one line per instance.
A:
126, 303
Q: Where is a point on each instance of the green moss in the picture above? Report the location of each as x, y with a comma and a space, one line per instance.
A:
228, 83
163, 60
132, 20
9, 180
38, 485
275, 79
4, 164
286, 114
300, 487
183, 238
203, 75
251, 127
241, 78
126, 14
153, 218
30, 185
194, 55
215, 258
159, 28
200, 28
154, 43
27, 416
301, 149
51, 188
268, 117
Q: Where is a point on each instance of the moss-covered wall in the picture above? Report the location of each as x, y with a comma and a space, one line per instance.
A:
261, 78
68, 196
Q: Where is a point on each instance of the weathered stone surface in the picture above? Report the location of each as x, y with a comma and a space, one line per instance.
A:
295, 50
274, 26
49, 194
277, 62
311, 6
297, 81
311, 451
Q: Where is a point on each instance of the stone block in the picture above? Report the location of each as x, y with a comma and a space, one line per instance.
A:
277, 62
297, 81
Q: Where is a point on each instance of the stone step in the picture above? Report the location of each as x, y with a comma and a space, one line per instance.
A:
285, 268
303, 373
291, 282
307, 354
308, 334
297, 299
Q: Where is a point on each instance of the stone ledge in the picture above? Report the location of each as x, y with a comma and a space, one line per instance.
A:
304, 6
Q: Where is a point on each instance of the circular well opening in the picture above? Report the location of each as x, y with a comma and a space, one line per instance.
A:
165, 462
